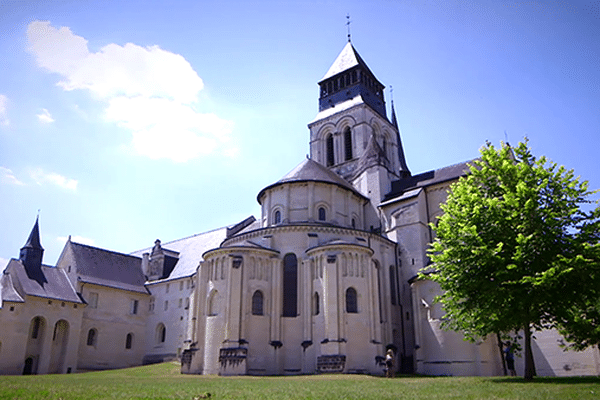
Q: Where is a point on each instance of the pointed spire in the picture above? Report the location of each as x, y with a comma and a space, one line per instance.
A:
34, 237
404, 171
32, 253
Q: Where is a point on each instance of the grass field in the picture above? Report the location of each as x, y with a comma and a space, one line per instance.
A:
163, 381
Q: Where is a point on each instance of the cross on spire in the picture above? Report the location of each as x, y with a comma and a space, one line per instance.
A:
348, 25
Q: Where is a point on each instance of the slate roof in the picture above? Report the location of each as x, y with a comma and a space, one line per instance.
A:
311, 171
347, 59
9, 293
190, 251
34, 237
108, 268
427, 179
55, 284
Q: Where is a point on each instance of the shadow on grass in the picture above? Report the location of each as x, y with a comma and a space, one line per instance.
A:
570, 380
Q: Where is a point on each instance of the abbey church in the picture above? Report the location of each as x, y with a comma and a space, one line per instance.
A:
324, 280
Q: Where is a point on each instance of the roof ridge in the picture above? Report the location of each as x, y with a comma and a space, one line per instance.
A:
105, 250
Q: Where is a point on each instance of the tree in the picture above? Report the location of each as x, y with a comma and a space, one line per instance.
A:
515, 250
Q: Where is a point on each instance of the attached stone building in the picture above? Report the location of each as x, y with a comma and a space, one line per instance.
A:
323, 281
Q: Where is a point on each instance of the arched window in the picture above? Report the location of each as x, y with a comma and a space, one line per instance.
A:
161, 333
257, 303
213, 303
290, 285
316, 304
329, 146
277, 217
92, 337
322, 214
353, 223
351, 301
129, 340
348, 144
393, 284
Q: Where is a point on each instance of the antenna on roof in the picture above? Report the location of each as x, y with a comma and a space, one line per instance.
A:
348, 25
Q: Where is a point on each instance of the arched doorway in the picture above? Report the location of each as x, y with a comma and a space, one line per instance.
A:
28, 368
58, 353
35, 344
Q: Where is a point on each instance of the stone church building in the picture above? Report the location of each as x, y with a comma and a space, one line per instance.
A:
323, 281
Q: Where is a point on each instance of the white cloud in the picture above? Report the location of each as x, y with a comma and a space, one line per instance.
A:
42, 177
7, 176
76, 239
3, 264
157, 89
3, 110
166, 129
45, 116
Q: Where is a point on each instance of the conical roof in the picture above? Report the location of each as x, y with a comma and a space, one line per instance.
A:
33, 241
404, 171
309, 170
347, 59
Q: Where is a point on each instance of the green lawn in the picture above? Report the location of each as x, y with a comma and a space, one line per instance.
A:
163, 381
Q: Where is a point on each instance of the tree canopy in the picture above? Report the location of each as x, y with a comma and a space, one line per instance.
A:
517, 250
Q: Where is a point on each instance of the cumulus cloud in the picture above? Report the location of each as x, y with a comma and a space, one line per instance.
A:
42, 177
7, 176
76, 239
135, 77
3, 110
45, 116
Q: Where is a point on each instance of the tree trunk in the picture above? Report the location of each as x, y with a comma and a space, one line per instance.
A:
529, 372
501, 349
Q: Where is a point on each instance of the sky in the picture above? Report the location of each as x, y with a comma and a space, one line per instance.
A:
126, 122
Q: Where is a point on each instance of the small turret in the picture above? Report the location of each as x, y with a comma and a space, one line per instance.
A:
31, 254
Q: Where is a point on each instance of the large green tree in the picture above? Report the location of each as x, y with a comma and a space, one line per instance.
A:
517, 250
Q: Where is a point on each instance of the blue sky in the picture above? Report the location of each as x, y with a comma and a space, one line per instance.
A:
124, 122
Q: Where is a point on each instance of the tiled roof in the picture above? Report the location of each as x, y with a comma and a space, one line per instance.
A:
309, 170
108, 268
190, 251
54, 285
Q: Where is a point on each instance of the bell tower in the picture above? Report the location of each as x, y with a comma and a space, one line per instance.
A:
351, 132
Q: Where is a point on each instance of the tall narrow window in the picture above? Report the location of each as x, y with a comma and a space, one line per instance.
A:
257, 303
35, 329
161, 333
129, 340
290, 285
348, 144
316, 304
351, 301
393, 284
329, 145
91, 337
322, 214
134, 306
277, 217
